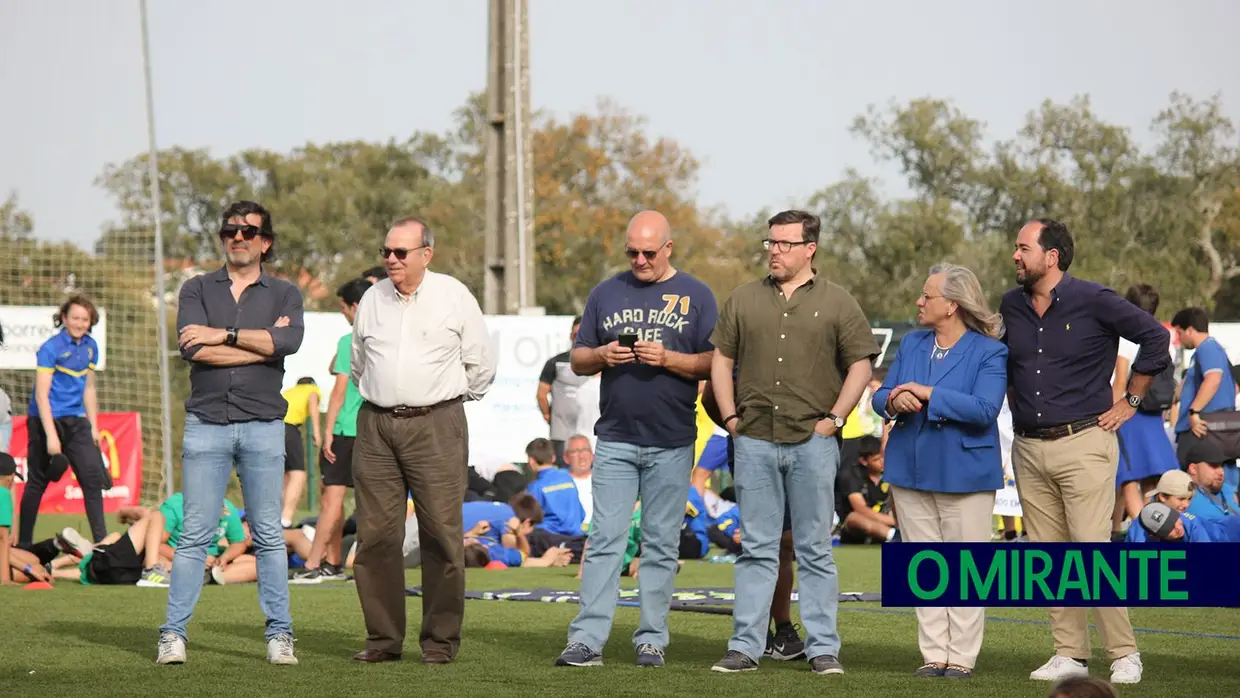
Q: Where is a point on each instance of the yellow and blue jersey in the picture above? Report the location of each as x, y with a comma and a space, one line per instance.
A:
68, 361
556, 493
696, 518
495, 513
728, 521
1194, 531
498, 553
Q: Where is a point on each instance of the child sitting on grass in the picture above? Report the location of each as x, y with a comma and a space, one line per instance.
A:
19, 566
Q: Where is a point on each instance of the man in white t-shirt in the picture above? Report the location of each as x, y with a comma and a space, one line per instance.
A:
588, 410
580, 458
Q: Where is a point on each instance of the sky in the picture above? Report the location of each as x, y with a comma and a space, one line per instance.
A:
761, 92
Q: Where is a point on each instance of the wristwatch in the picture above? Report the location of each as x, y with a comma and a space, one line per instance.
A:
1133, 400
231, 338
839, 423
1192, 412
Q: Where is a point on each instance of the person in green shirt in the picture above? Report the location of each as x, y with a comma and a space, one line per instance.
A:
632, 550
336, 460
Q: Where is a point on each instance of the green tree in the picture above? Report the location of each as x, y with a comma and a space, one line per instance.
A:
15, 224
1152, 217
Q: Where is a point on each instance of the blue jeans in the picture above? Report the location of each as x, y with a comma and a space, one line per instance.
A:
622, 473
207, 457
802, 476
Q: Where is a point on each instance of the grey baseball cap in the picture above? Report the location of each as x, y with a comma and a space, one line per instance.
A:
1158, 519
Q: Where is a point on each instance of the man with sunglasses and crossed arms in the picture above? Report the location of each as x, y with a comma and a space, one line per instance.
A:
236, 325
647, 330
420, 350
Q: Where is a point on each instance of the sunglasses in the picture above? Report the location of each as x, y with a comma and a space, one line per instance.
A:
648, 254
249, 232
400, 252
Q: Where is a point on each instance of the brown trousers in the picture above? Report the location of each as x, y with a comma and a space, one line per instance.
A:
1067, 493
426, 455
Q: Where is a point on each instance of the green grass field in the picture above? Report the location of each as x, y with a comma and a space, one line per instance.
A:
101, 640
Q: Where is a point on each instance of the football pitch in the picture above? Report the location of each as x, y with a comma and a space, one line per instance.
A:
101, 641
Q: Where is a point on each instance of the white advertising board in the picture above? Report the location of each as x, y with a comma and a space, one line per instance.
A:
502, 423
27, 327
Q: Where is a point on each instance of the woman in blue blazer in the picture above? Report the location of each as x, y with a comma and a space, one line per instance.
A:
943, 462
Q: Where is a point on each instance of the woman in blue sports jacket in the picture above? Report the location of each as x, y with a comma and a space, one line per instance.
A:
943, 460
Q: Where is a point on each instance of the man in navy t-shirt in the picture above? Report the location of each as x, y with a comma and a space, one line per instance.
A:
647, 331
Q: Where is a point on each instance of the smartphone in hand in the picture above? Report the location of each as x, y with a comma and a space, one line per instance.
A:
628, 339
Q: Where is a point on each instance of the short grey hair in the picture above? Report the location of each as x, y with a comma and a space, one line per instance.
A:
960, 286
428, 238
574, 437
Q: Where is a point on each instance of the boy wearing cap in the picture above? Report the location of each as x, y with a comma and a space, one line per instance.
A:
1175, 489
1161, 523
1215, 498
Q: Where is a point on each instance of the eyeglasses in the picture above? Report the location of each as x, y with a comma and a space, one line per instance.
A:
229, 231
400, 252
648, 254
782, 245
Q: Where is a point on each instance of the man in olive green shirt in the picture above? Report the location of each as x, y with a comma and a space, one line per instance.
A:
803, 353
336, 461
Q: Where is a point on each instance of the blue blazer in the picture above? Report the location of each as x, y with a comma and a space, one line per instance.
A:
952, 444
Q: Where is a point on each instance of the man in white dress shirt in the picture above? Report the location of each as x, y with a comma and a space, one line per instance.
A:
420, 350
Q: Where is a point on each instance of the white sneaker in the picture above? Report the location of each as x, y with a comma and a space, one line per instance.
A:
171, 649
1059, 668
280, 650
1127, 669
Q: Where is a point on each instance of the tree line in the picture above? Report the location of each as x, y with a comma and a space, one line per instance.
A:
1168, 215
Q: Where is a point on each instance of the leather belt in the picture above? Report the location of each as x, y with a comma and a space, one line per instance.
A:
405, 411
1058, 431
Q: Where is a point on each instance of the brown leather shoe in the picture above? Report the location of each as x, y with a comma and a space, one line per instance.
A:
435, 658
375, 656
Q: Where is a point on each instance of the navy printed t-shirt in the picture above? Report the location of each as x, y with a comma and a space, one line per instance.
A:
648, 405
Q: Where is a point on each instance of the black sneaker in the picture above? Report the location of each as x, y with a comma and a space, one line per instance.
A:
649, 656
577, 654
734, 662
785, 644
332, 573
308, 575
826, 664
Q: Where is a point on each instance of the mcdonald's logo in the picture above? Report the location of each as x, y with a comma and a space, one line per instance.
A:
111, 458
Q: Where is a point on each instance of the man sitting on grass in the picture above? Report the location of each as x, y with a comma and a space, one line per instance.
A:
864, 499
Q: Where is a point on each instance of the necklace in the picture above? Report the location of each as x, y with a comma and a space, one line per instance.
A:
939, 352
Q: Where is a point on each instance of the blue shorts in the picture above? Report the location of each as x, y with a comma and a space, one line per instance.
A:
732, 470
716, 454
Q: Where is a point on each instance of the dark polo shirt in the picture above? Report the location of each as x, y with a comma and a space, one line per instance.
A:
791, 355
226, 394
1060, 364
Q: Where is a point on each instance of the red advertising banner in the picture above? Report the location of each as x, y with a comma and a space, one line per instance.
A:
121, 434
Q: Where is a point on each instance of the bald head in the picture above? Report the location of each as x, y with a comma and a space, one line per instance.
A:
650, 226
